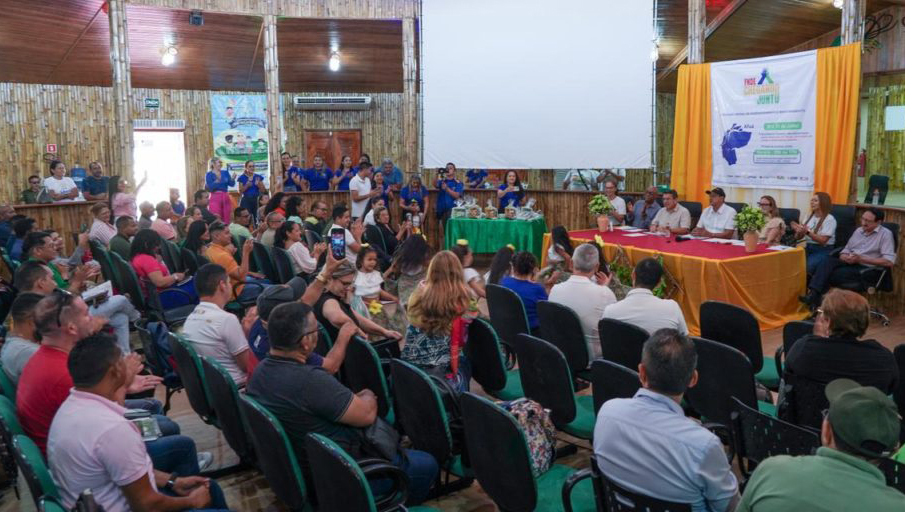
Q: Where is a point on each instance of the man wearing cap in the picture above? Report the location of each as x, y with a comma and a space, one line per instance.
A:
860, 428
718, 220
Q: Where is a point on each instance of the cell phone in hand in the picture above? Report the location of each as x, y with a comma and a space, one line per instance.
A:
338, 243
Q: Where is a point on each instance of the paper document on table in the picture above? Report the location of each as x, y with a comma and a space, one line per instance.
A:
717, 240
633, 235
630, 229
737, 242
779, 247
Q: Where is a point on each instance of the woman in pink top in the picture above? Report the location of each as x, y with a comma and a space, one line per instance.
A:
121, 201
101, 229
148, 266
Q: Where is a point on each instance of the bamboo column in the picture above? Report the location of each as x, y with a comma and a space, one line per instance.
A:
853, 21
697, 26
272, 91
123, 142
410, 159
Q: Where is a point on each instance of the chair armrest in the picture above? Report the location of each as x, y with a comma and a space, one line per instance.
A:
837, 251
725, 434
236, 292
570, 483
873, 276
777, 359
377, 468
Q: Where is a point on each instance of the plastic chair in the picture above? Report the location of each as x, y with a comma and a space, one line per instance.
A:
362, 370
48, 504
791, 332
191, 261
894, 472
282, 265
559, 324
224, 400
7, 386
507, 313
803, 402
502, 463
612, 380
172, 256
34, 469
108, 269
264, 261
736, 327
188, 364
131, 286
790, 215
621, 342
619, 499
694, 208
275, 454
874, 279
738, 207
757, 436
547, 380
9, 429
488, 366
845, 223
153, 359
876, 182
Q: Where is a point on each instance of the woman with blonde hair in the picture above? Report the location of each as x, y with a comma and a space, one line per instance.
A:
775, 226
819, 231
435, 338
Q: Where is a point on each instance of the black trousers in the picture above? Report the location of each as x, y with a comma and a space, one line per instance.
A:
833, 271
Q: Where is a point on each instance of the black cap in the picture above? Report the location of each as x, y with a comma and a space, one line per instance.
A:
716, 190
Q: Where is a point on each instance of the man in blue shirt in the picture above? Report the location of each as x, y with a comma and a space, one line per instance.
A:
647, 445
449, 189
318, 177
94, 186
392, 175
474, 178
643, 212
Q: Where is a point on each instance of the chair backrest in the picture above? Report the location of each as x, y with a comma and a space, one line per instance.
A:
7, 386
224, 399
757, 436
790, 215
723, 373
33, 468
845, 223
128, 281
48, 504
264, 260
498, 454
794, 331
362, 370
874, 182
803, 402
173, 256
545, 377
612, 380
734, 326
312, 237
102, 257
488, 367
339, 482
374, 237
694, 208
9, 428
282, 265
619, 499
559, 324
275, 454
621, 342
738, 207
420, 411
188, 364
899, 393
189, 260
894, 472
886, 285
507, 313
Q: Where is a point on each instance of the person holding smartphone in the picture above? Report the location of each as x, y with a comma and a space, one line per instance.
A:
346, 231
449, 189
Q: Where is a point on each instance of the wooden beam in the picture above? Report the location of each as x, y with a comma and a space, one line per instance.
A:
74, 43
120, 67
853, 21
254, 58
272, 92
410, 156
720, 18
697, 28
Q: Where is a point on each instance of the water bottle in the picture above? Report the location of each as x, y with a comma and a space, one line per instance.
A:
876, 198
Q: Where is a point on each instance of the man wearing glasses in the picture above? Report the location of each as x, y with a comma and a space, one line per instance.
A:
318, 219
32, 195
273, 221
241, 221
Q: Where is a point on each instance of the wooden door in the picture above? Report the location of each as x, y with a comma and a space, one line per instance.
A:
332, 145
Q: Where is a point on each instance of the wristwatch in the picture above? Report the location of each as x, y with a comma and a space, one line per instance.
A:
321, 278
171, 482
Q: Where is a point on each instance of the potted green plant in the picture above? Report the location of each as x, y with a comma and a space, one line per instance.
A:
600, 208
750, 221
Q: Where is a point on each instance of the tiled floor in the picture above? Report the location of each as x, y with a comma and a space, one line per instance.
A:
248, 490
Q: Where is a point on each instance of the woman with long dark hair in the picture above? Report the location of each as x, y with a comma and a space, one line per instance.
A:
197, 238
343, 175
277, 203
296, 209
818, 232
289, 238
500, 265
409, 266
292, 175
511, 192
145, 259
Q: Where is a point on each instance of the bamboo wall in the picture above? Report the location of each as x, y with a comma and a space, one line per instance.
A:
885, 149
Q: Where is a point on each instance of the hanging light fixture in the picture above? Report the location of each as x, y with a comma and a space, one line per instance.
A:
169, 56
838, 3
334, 61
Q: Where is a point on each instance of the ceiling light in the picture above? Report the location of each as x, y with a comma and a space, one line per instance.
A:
334, 61
838, 3
169, 56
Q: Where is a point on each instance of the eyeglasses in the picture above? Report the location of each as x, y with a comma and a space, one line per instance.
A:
764, 204
820, 311
65, 299
34, 182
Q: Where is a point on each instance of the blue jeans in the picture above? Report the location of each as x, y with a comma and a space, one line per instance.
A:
815, 254
422, 470
174, 454
251, 290
218, 500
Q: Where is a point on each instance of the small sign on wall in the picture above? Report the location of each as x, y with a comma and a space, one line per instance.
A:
152, 103
51, 148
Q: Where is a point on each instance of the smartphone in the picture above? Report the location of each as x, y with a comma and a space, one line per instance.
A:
338, 243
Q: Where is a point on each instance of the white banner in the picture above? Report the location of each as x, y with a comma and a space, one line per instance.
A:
763, 118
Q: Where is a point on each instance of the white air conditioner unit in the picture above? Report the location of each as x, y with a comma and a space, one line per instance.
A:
332, 102
158, 124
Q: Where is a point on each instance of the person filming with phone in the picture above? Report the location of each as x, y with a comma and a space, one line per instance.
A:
345, 236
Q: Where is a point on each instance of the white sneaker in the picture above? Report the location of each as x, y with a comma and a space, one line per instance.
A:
205, 459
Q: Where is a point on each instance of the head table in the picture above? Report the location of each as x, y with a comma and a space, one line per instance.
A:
766, 282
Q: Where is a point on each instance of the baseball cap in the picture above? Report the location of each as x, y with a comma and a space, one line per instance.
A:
716, 190
273, 296
863, 417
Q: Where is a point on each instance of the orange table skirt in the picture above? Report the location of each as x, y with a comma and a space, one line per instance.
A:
767, 285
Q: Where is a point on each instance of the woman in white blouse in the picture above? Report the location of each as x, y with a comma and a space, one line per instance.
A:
59, 186
289, 237
819, 231
101, 229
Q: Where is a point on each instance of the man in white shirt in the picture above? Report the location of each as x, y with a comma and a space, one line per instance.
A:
617, 217
718, 220
353, 231
586, 292
642, 308
673, 218
360, 190
214, 332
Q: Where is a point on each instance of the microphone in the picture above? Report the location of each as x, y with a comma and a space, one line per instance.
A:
683, 238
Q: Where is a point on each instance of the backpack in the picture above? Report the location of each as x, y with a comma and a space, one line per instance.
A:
540, 434
163, 361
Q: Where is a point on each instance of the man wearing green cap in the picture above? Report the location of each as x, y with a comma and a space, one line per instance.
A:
860, 428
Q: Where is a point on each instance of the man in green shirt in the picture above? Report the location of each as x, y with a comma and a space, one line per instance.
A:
39, 246
861, 428
126, 227
32, 195
239, 226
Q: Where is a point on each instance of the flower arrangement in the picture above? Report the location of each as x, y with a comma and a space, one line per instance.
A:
600, 205
750, 219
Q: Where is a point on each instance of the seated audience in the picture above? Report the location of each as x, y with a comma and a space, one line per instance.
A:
198, 238
673, 218
818, 231
59, 186
500, 265
101, 230
521, 281
319, 218
647, 445
202, 200
33, 195
374, 203
289, 237
162, 223
21, 228
21, 342
353, 231
91, 445
296, 209
870, 246
835, 351
145, 259
122, 201
471, 276
642, 308
277, 204
409, 266
221, 251
307, 399
718, 219
240, 224
147, 211
95, 186
39, 246
7, 213
273, 222
586, 292
433, 341
213, 331
775, 226
121, 242
860, 428
644, 212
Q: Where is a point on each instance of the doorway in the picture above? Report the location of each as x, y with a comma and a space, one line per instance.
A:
332, 145
161, 155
